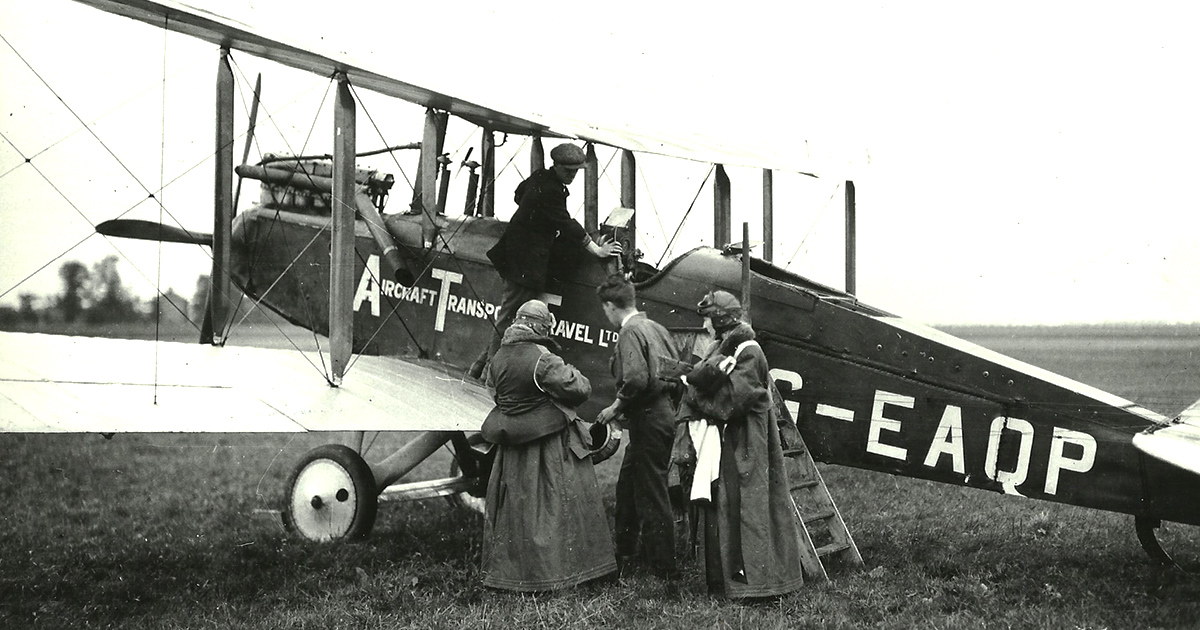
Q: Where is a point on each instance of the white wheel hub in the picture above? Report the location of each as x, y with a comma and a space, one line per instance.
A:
323, 501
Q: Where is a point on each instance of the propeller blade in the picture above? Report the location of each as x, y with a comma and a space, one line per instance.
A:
150, 231
465, 159
249, 136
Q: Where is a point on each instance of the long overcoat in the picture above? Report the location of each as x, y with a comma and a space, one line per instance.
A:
757, 535
545, 526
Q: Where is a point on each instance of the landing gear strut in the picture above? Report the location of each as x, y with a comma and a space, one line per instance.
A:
333, 494
1147, 535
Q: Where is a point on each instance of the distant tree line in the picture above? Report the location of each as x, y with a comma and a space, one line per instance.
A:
97, 296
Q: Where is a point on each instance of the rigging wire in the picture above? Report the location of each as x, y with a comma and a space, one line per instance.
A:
366, 269
396, 305
256, 255
305, 295
257, 303
467, 282
603, 174
87, 127
48, 263
118, 249
513, 156
653, 207
97, 119
258, 250
307, 302
162, 160
700, 189
367, 449
813, 227
428, 267
79, 119
77, 244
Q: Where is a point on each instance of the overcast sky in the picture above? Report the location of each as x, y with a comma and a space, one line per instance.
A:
1015, 163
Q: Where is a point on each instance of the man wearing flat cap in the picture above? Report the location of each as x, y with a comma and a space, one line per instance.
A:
541, 239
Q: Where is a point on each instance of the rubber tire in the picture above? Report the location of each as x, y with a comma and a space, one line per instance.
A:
363, 480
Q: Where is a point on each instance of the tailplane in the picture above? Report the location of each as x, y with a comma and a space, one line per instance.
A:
1176, 442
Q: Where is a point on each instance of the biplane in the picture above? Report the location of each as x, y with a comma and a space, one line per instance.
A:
407, 300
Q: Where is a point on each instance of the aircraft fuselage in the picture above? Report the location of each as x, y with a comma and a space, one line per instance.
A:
867, 389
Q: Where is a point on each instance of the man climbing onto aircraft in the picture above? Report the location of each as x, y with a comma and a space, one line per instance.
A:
541, 240
752, 536
643, 406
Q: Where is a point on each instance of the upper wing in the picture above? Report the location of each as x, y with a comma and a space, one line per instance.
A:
63, 384
222, 30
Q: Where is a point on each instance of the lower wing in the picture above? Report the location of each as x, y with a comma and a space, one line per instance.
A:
65, 384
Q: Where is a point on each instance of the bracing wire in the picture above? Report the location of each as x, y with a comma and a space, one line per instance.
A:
258, 251
671, 243
97, 119
306, 301
162, 160
813, 226
87, 127
68, 250
150, 195
653, 207
79, 119
428, 267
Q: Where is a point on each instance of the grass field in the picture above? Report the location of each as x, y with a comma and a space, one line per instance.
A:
166, 531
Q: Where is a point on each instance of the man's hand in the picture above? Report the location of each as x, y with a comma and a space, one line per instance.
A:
608, 246
609, 413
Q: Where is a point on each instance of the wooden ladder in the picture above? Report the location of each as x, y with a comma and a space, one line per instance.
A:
826, 543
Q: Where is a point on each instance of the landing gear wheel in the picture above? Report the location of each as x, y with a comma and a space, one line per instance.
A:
330, 495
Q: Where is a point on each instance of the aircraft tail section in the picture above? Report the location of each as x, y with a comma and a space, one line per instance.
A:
1176, 442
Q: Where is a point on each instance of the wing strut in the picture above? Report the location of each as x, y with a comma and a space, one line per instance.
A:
851, 240
768, 190
432, 140
341, 253
487, 174
629, 200
222, 256
591, 191
722, 209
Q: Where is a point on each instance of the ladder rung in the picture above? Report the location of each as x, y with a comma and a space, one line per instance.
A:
832, 548
805, 483
820, 516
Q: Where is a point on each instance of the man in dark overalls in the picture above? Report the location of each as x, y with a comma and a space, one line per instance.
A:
643, 406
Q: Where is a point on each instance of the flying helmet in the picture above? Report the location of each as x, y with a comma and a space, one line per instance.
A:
605, 441
537, 316
722, 308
